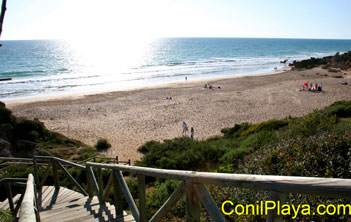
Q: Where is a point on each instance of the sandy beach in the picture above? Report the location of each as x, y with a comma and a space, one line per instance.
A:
130, 118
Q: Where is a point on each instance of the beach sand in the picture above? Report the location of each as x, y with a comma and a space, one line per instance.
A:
130, 118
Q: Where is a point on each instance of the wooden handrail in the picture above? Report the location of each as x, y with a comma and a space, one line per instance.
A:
193, 187
196, 193
27, 213
330, 187
28, 208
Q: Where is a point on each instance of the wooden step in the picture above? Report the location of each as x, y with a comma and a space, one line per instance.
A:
70, 206
5, 204
53, 197
93, 210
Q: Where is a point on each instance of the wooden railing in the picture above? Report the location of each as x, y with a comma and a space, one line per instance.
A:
8, 183
193, 186
196, 193
54, 163
27, 204
29, 210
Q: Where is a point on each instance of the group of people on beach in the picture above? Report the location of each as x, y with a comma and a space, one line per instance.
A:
185, 130
209, 86
309, 86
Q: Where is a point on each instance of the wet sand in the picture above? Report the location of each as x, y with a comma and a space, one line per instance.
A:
130, 118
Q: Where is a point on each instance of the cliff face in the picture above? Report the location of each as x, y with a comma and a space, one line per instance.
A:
342, 61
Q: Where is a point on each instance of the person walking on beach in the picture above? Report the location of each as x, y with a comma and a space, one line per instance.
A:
185, 128
192, 133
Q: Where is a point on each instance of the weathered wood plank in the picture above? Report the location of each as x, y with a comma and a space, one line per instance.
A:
46, 196
170, 202
9, 196
41, 193
55, 174
208, 202
193, 204
69, 195
82, 201
127, 195
330, 187
27, 213
90, 185
118, 194
100, 182
47, 171
64, 162
108, 188
80, 188
94, 183
5, 205
142, 198
272, 214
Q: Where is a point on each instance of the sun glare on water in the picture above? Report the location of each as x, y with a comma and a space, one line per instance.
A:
113, 35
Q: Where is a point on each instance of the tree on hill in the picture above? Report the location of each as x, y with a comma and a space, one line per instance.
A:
2, 15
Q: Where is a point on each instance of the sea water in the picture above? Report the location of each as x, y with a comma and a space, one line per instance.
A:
54, 67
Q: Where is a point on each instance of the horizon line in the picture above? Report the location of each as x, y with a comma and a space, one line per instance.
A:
184, 37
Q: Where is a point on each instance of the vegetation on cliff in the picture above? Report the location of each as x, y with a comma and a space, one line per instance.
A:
20, 137
317, 144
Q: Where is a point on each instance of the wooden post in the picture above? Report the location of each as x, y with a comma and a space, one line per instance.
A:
193, 204
89, 184
36, 175
142, 198
132, 206
118, 194
117, 159
9, 196
172, 200
36, 203
70, 177
108, 188
100, 182
45, 176
208, 202
272, 214
94, 183
55, 174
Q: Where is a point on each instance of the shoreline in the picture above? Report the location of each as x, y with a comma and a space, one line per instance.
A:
78, 95
130, 118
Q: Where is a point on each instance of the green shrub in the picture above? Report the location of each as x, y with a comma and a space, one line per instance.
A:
102, 144
5, 115
236, 130
269, 125
6, 216
340, 109
158, 196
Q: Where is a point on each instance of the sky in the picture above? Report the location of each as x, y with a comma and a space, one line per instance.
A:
142, 19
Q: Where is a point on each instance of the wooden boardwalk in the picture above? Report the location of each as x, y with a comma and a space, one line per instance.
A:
67, 205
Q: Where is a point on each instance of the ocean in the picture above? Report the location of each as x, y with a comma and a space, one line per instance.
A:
54, 67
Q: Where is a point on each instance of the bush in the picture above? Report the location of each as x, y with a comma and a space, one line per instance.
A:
102, 144
5, 115
341, 109
6, 216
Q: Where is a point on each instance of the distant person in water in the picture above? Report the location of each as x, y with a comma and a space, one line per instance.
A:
192, 133
185, 128
186, 78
